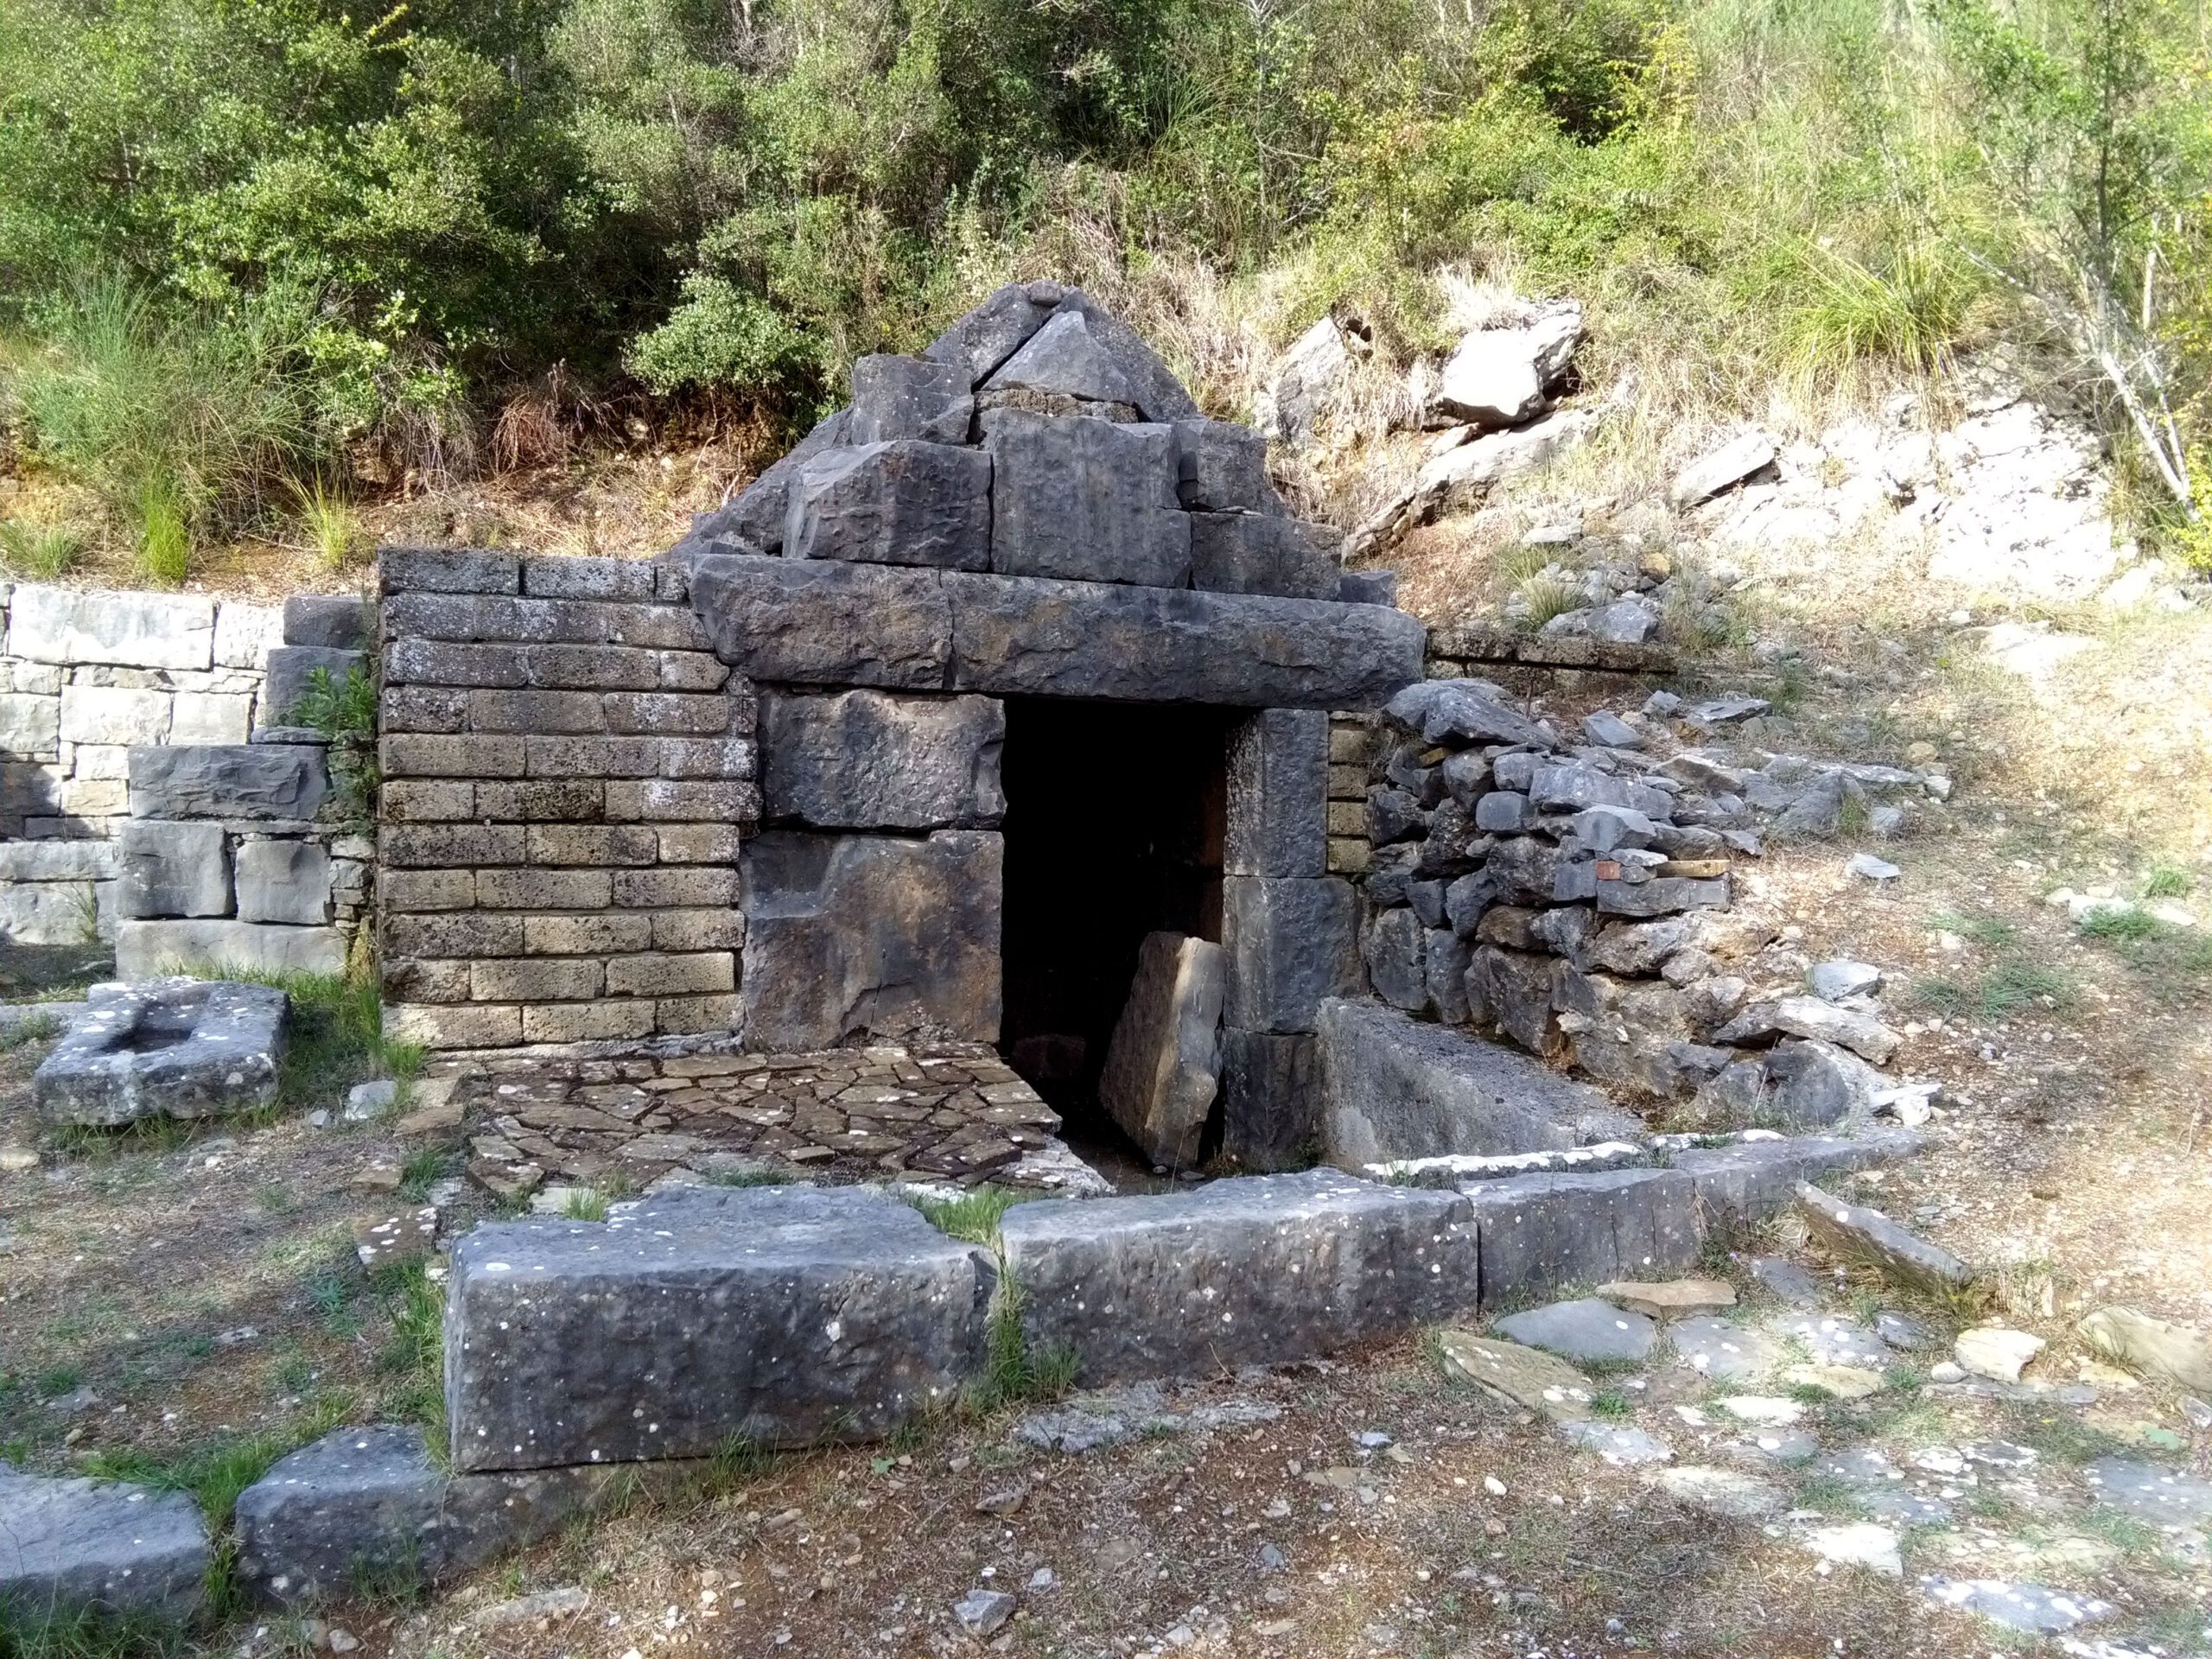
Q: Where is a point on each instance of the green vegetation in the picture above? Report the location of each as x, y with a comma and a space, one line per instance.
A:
42, 552
335, 1039
974, 1215
257, 256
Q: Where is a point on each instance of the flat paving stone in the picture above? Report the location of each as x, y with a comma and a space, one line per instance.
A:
1621, 1444
1723, 1350
2168, 1497
2018, 1606
1589, 1331
953, 1112
1787, 1279
77, 1543
1882, 1489
1727, 1492
1858, 1544
1830, 1339
1527, 1378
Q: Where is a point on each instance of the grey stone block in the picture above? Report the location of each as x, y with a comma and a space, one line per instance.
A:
818, 622
1256, 1270
1255, 553
284, 881
1752, 1179
1542, 1233
447, 570
227, 781
1367, 588
1084, 499
1291, 942
1394, 1087
996, 329
865, 759
904, 502
73, 625
358, 1503
784, 1315
1446, 968
910, 397
337, 621
1063, 358
179, 1049
77, 1544
1395, 947
1222, 467
172, 869
860, 936
1163, 1065
147, 949
1278, 795
1270, 1099
57, 860
1158, 394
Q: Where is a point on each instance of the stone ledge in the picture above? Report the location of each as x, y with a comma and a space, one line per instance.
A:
1502, 647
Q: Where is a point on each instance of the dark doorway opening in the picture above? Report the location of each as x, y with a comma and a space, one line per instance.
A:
1114, 820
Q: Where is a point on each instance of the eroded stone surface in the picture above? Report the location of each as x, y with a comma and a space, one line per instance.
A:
182, 1049
786, 1315
865, 759
78, 1543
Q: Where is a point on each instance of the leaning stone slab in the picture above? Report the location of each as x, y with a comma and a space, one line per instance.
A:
870, 936
227, 781
1541, 1233
1163, 1066
77, 1544
148, 949
1755, 1177
1257, 1269
182, 1049
1394, 1088
1859, 1233
864, 759
824, 621
784, 1315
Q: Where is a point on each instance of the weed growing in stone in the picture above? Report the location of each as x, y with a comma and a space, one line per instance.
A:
424, 1169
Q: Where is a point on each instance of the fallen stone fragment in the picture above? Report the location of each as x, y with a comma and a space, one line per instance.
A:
1589, 1331
1004, 1500
1669, 1299
563, 1603
1765, 1410
1722, 468
1521, 1376
1787, 1279
2179, 1353
1857, 1233
2166, 1497
1995, 1352
1863, 1544
1725, 1492
1871, 868
1843, 1382
1812, 1017
1617, 1443
1723, 1352
1833, 982
980, 1613
2017, 1607
366, 1102
77, 1544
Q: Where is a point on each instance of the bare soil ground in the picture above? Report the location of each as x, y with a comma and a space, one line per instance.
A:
168, 1301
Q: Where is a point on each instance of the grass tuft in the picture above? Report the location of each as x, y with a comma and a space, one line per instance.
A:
42, 552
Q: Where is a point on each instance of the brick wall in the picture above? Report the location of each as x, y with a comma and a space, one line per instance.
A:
567, 770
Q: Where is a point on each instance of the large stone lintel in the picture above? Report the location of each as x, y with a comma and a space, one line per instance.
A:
812, 623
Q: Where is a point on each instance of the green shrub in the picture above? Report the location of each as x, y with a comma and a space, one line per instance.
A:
42, 552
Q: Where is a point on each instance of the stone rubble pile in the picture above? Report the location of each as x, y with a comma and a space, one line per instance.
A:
1575, 894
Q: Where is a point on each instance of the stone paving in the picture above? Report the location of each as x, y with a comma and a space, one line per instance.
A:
954, 1113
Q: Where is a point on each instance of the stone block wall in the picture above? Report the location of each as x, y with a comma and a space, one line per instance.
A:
117, 712
568, 774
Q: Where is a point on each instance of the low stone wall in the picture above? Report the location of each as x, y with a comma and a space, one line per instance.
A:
150, 791
567, 770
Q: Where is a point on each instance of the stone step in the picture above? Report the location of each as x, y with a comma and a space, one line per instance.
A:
75, 1544
1256, 1270
784, 1316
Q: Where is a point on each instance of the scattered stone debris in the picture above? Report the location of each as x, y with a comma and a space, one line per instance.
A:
1088, 1422
981, 1612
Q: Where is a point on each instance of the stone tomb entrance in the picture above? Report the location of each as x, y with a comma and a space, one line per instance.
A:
1115, 824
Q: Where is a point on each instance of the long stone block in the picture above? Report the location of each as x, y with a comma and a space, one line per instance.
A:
849, 936
865, 759
826, 622
258, 780
1291, 944
69, 1545
73, 625
1394, 1088
1254, 1270
1278, 795
1749, 1180
783, 1315
1541, 1233
149, 950
1270, 1098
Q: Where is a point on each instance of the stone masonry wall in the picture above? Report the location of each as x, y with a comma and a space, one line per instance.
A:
148, 790
568, 770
